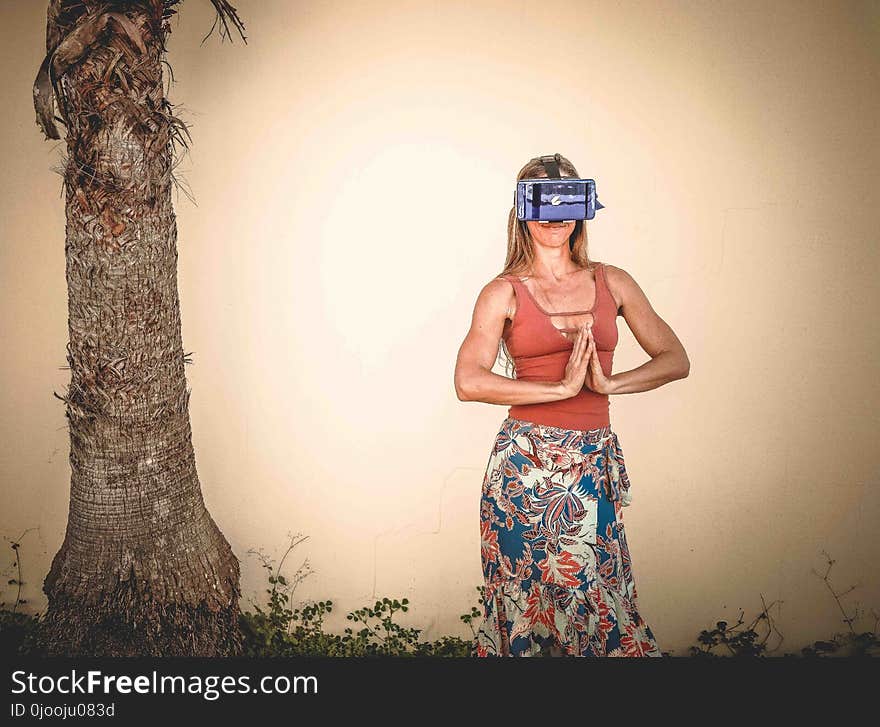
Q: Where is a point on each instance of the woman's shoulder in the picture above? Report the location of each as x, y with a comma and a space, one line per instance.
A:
613, 270
498, 290
501, 291
505, 282
617, 280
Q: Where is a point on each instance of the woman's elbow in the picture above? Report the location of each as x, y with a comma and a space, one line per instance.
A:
685, 368
469, 383
462, 387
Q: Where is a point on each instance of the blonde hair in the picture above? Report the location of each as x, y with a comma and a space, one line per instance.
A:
520, 253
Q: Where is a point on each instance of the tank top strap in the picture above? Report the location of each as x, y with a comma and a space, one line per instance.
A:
602, 281
522, 296
513, 280
600, 277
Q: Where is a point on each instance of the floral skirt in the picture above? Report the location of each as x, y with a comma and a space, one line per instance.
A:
555, 561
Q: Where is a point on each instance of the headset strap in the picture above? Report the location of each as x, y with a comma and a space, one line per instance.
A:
551, 165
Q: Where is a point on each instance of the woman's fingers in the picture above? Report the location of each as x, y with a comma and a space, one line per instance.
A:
584, 346
595, 364
580, 352
578, 349
590, 354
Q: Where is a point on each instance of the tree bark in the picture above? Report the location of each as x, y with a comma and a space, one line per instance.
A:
143, 569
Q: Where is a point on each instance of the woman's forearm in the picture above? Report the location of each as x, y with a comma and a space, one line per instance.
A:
492, 388
663, 368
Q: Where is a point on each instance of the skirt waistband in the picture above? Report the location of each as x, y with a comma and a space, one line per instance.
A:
560, 435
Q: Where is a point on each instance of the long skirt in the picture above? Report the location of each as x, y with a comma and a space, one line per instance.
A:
556, 566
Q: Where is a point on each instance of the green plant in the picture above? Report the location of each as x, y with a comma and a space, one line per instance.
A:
278, 630
851, 642
748, 642
17, 629
736, 640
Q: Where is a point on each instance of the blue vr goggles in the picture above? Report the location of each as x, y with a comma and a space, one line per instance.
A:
555, 198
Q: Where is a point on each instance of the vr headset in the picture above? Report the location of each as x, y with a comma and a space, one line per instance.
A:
555, 198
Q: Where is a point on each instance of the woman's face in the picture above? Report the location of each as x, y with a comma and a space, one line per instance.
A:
550, 234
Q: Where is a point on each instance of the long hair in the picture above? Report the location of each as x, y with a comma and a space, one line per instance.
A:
520, 253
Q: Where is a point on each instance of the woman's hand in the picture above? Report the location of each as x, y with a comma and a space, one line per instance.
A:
595, 378
577, 366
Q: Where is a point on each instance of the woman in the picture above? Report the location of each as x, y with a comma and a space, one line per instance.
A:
555, 560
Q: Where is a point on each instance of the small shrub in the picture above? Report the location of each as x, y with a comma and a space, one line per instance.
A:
278, 630
17, 629
737, 641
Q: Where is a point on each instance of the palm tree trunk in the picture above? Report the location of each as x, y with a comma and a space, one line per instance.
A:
143, 569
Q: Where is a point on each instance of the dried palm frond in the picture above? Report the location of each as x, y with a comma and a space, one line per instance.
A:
86, 31
226, 12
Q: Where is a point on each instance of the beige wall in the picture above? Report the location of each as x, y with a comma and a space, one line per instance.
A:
735, 149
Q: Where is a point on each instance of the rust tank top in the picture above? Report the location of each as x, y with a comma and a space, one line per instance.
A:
540, 352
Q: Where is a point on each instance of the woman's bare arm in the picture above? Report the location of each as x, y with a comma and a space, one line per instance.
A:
474, 379
669, 361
